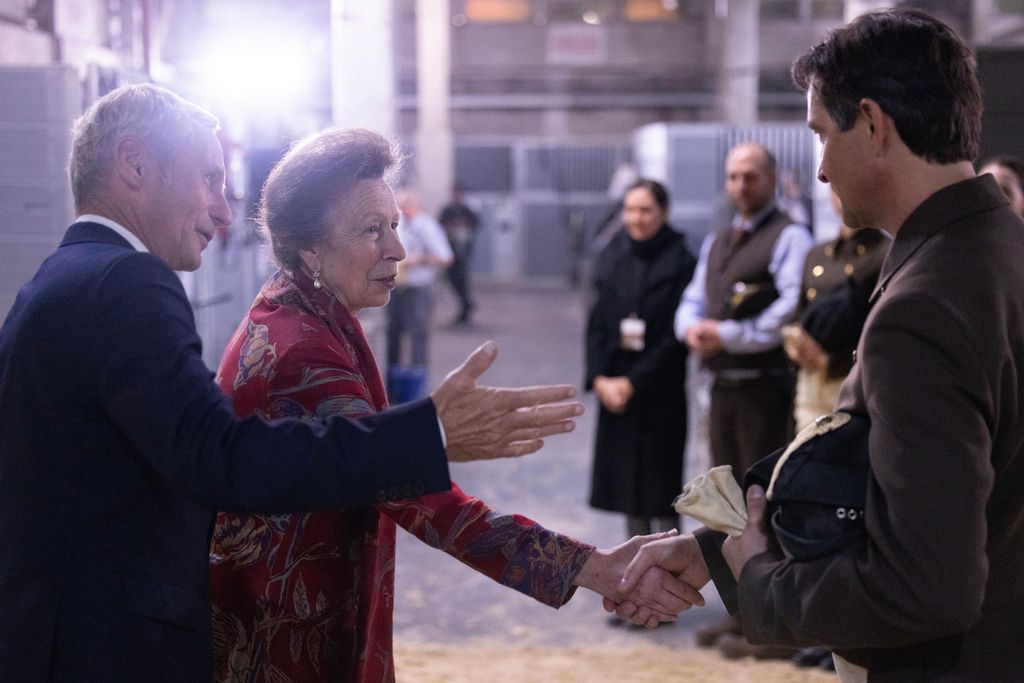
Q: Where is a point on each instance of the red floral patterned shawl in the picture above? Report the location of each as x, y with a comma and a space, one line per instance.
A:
308, 596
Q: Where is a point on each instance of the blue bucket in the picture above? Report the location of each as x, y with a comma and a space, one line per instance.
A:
406, 383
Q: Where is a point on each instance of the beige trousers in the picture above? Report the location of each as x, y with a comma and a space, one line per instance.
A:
816, 394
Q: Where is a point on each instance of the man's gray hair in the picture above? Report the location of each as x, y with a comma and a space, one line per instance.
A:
157, 117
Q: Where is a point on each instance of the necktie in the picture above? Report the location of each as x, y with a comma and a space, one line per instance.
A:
738, 236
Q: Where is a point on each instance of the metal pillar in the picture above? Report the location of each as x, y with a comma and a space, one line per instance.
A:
435, 167
981, 20
741, 63
855, 8
362, 65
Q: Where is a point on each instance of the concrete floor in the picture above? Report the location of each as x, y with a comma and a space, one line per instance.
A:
539, 330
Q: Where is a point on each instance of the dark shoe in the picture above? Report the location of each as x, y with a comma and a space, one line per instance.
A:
737, 647
617, 621
827, 663
707, 636
812, 656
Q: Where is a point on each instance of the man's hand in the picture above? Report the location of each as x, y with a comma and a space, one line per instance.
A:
659, 592
482, 423
703, 339
614, 393
806, 352
754, 541
678, 555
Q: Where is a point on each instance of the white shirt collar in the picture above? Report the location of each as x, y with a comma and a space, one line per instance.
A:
116, 227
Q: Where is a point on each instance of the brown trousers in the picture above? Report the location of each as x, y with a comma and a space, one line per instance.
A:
748, 420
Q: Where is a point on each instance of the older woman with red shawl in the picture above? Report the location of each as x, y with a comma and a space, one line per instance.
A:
309, 596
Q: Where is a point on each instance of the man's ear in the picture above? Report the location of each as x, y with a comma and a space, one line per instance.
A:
131, 161
880, 126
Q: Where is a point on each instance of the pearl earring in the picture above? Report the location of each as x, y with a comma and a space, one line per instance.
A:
317, 282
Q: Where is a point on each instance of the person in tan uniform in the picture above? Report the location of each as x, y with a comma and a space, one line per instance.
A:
838, 278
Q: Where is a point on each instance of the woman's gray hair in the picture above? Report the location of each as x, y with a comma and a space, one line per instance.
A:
159, 118
315, 174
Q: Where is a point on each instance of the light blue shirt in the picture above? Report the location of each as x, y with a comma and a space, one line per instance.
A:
423, 235
763, 331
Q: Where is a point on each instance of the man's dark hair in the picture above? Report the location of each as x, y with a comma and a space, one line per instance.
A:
656, 189
915, 67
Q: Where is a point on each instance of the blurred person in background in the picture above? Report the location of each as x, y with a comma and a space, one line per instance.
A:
460, 224
793, 201
745, 288
636, 366
309, 597
837, 282
1009, 173
427, 252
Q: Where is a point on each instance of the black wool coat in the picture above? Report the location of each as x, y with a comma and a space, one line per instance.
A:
638, 455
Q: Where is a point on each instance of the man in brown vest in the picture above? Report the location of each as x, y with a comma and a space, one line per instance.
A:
745, 289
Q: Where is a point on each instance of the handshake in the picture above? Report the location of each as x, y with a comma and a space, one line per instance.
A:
648, 579
651, 579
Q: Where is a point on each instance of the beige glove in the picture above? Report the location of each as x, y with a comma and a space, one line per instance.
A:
715, 500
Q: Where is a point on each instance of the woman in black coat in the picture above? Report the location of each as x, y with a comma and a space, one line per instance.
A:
637, 367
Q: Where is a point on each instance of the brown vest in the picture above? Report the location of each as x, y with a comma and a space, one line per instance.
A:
739, 286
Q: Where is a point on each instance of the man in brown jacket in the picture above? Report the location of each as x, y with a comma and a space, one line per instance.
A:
935, 591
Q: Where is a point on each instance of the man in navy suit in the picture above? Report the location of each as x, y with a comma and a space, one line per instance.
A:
116, 446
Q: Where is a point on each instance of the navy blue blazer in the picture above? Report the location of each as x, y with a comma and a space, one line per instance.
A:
116, 449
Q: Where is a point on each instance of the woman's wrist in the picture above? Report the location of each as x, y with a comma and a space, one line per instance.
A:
600, 573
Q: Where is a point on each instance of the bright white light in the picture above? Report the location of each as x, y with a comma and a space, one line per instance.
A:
259, 70
592, 18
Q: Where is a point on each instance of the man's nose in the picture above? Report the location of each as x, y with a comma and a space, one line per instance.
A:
221, 212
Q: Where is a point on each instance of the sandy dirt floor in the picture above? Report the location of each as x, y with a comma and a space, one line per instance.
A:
475, 663
455, 625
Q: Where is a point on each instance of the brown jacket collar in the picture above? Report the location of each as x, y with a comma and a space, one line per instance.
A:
948, 205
